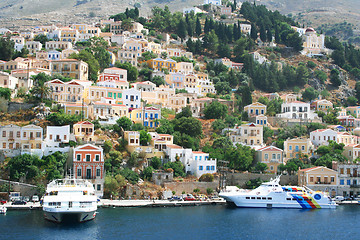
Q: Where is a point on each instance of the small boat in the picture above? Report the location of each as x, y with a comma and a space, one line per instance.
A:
272, 195
70, 199
3, 210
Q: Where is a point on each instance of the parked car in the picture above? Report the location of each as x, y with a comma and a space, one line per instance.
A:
189, 198
2, 201
339, 198
35, 198
214, 198
176, 198
19, 202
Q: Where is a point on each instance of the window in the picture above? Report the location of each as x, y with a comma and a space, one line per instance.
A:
97, 157
348, 182
302, 148
311, 179
78, 157
273, 156
79, 172
38, 134
341, 181
88, 157
213, 168
98, 187
332, 179
98, 172
266, 156
200, 168
290, 148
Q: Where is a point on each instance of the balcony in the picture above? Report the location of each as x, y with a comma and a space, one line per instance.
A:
11, 139
355, 186
355, 175
324, 183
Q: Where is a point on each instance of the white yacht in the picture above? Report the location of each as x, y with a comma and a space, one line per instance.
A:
69, 198
272, 195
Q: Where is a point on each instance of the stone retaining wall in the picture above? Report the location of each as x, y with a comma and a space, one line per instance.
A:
239, 179
188, 187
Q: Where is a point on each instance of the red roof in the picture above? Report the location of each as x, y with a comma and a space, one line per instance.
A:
173, 146
197, 152
307, 169
270, 148
84, 122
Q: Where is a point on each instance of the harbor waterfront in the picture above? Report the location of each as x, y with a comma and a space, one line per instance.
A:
203, 222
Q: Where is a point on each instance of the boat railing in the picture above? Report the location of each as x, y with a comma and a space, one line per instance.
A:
70, 183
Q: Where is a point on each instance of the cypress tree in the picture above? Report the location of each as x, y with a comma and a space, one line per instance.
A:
198, 27
254, 32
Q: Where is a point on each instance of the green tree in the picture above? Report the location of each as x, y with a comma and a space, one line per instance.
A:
113, 185
240, 158
185, 112
158, 80
198, 29
126, 24
351, 101
148, 171
261, 167
39, 89
206, 177
211, 41
310, 94
107, 146
5, 93
6, 48
60, 118
145, 138
215, 110
335, 77
93, 64
181, 29
177, 167
132, 71
124, 123
98, 47
43, 39
155, 162
190, 126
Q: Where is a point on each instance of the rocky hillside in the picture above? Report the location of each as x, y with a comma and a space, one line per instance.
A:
16, 14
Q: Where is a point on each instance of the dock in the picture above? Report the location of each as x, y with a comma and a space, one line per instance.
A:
156, 203
107, 203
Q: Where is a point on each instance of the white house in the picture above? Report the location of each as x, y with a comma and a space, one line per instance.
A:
196, 163
131, 98
213, 2
322, 137
297, 110
56, 135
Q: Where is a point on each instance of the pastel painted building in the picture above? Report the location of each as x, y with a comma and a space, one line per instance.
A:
88, 163
271, 156
293, 148
72, 68
84, 131
255, 109
131, 98
321, 137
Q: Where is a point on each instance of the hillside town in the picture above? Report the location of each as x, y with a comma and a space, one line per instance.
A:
141, 106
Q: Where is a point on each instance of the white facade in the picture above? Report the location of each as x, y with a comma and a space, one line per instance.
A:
297, 110
132, 98
56, 135
213, 2
322, 137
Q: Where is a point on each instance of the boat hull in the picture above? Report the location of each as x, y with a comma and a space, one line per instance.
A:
242, 202
60, 217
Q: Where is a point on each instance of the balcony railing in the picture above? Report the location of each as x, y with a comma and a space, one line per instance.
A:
11, 139
322, 182
355, 186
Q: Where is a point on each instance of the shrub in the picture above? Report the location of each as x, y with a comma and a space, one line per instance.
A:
207, 177
209, 191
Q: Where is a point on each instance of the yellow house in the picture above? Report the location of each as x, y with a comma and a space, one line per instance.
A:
271, 156
319, 178
158, 64
77, 109
84, 131
255, 109
322, 105
148, 116
72, 68
293, 148
69, 35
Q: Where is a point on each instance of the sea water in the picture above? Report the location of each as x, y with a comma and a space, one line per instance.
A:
197, 222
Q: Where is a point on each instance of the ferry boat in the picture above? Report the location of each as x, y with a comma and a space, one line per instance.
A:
272, 195
70, 199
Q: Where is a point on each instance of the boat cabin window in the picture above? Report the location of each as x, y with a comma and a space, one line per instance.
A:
252, 197
294, 199
263, 198
288, 199
258, 198
247, 197
269, 198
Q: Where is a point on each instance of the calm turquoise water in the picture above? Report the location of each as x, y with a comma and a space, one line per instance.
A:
206, 222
